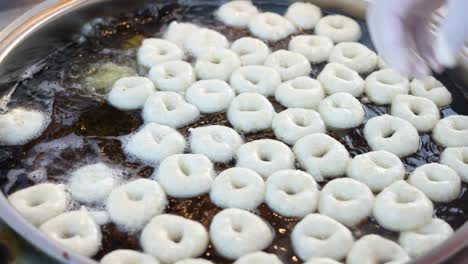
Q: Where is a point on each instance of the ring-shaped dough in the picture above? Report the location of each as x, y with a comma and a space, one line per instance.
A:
432, 89
125, 256
169, 108
271, 26
133, 204
457, 159
20, 126
322, 261
250, 112
92, 183
303, 15
301, 92
194, 261
217, 63
171, 238
341, 111
40, 203
438, 182
202, 40
288, 64
422, 240
154, 142
173, 76
321, 156
294, 123
382, 86
154, 51
236, 13
75, 230
376, 249
355, 56
392, 134
402, 207
185, 175
178, 33
255, 79
316, 49
346, 200
265, 156
235, 233
292, 193
376, 169
259, 258
339, 28
320, 236
337, 78
130, 93
210, 96
218, 143
251, 51
451, 131
238, 188
422, 113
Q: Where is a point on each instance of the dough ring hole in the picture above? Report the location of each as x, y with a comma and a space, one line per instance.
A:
176, 236
433, 177
272, 22
170, 106
416, 110
405, 198
215, 60
342, 74
300, 121
217, 137
388, 133
35, 202
136, 197
313, 42
252, 81
67, 234
248, 108
290, 190
163, 52
237, 185
387, 80
350, 54
265, 157
184, 168
342, 197
380, 164
458, 126
337, 24
320, 236
169, 74
321, 153
236, 227
157, 138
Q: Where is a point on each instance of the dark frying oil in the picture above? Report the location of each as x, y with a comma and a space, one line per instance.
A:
84, 129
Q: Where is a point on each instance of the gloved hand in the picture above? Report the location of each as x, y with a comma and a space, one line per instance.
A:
402, 33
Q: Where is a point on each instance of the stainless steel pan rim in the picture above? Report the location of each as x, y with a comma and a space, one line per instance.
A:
50, 10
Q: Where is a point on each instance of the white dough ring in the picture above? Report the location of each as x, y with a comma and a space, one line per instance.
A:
301, 92
402, 207
178, 33
154, 51
265, 156
288, 64
259, 258
376, 249
169, 108
320, 236
337, 78
92, 183
130, 93
322, 261
339, 28
174, 76
133, 204
40, 203
294, 123
218, 143
316, 49
354, 56
376, 169
303, 15
291, 193
452, 131
236, 13
75, 230
250, 112
422, 240
154, 142
430, 88
171, 238
321, 156
210, 96
235, 233
203, 40
346, 200
457, 159
392, 134
186, 175
217, 63
438, 182
20, 126
341, 111
255, 79
124, 256
422, 113
270, 26
382, 86
238, 188
251, 51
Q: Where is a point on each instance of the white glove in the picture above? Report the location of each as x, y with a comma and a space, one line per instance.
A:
401, 32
